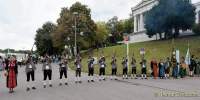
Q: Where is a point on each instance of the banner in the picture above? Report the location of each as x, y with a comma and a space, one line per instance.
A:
187, 57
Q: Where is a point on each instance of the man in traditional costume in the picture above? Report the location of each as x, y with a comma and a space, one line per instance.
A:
143, 64
192, 66
63, 67
125, 68
198, 67
90, 69
47, 71
174, 66
102, 66
78, 66
161, 69
30, 73
133, 65
114, 68
167, 67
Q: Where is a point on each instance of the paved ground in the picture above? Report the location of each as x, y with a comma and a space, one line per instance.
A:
107, 90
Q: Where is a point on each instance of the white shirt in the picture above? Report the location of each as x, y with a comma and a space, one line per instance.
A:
30, 66
47, 67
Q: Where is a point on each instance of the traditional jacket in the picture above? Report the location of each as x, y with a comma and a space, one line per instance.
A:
30, 67
46, 66
113, 63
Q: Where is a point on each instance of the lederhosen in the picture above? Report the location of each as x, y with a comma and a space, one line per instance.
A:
167, 67
133, 64
63, 70
125, 67
143, 65
192, 65
30, 72
90, 67
47, 72
78, 69
102, 68
114, 67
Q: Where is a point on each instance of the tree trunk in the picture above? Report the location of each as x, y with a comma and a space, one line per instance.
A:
160, 35
176, 34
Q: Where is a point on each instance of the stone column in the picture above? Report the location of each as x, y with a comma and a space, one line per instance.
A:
135, 23
141, 22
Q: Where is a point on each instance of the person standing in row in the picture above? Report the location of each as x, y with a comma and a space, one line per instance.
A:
167, 67
90, 69
161, 69
63, 67
30, 73
143, 64
114, 68
125, 67
183, 67
47, 71
154, 66
174, 66
102, 65
192, 66
133, 65
11, 71
78, 66
198, 67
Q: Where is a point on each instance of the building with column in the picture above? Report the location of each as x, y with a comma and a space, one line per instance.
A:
138, 14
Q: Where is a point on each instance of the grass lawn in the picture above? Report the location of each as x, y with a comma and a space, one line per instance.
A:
157, 49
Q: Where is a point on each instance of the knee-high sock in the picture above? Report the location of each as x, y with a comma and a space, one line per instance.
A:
28, 84
44, 83
50, 82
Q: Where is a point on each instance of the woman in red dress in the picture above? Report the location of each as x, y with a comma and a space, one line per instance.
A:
154, 65
11, 73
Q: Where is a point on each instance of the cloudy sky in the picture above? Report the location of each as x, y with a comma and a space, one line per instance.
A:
19, 19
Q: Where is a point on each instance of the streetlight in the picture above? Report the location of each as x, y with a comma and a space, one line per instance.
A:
75, 44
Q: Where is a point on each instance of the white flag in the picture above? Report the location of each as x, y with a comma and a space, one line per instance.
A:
187, 57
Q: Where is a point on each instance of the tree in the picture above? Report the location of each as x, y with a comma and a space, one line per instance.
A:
171, 16
86, 27
118, 27
102, 33
128, 25
43, 39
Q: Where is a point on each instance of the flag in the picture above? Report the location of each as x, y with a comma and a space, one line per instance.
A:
187, 57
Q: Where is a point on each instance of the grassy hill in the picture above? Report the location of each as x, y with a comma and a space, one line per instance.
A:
157, 49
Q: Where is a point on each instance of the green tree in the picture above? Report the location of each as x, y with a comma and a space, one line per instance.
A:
43, 39
170, 16
86, 27
102, 32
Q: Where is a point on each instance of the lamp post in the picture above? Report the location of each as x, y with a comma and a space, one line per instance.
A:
75, 44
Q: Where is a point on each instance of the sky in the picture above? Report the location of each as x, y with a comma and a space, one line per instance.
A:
19, 19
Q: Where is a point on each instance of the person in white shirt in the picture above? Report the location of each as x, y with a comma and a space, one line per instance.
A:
90, 69
102, 66
63, 67
114, 68
30, 73
125, 68
78, 66
47, 71
144, 66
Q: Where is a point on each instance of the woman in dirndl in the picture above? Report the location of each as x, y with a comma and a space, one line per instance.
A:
11, 71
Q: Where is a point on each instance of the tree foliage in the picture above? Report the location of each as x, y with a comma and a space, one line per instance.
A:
170, 16
86, 27
43, 39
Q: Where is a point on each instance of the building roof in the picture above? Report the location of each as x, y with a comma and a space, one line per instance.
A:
197, 4
142, 4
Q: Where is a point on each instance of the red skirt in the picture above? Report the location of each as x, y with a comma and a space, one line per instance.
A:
11, 79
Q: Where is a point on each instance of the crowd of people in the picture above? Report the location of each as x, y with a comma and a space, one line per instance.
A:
163, 69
